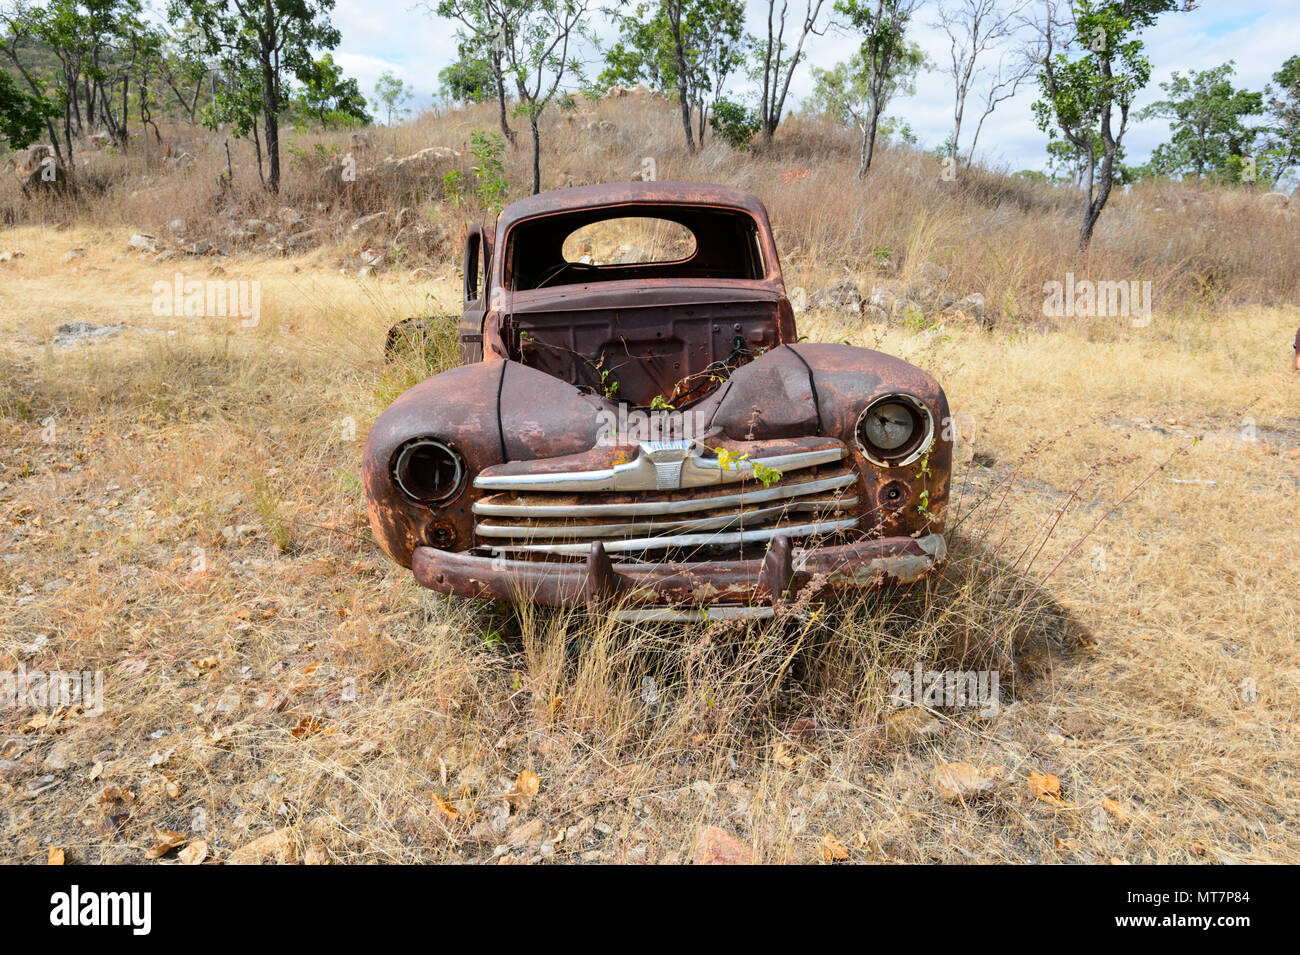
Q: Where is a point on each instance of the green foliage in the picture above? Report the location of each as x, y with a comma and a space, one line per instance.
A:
329, 97
1092, 71
1207, 116
843, 91
884, 63
734, 123
1281, 144
489, 184
391, 95
22, 115
468, 80
696, 69
258, 47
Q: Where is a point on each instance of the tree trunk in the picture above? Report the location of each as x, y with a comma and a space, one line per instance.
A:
537, 155
683, 94
257, 145
686, 120
869, 141
506, 131
271, 123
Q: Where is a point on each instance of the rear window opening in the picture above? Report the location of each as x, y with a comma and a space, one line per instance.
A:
601, 245
629, 241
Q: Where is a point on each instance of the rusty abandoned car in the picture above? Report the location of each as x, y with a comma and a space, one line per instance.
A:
651, 437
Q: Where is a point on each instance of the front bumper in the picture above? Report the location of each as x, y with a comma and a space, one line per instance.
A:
647, 591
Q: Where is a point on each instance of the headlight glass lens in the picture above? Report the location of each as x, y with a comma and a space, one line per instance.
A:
889, 426
894, 430
428, 470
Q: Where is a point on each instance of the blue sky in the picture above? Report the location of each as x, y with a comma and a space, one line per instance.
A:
381, 35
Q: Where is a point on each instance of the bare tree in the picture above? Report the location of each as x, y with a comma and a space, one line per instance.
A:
977, 28
775, 68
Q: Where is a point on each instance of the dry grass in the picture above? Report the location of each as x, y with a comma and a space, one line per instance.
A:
195, 529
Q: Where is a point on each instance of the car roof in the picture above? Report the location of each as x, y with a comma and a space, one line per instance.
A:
638, 193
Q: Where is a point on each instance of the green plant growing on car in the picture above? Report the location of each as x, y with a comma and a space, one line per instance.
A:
729, 460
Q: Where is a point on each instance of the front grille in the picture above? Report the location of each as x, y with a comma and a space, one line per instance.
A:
816, 495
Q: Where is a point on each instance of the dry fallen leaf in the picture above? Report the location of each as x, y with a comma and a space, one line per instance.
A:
39, 721
277, 846
117, 794
307, 726
526, 785
1047, 788
833, 850
1044, 784
1063, 844
204, 663
164, 841
444, 807
1115, 809
56, 856
194, 853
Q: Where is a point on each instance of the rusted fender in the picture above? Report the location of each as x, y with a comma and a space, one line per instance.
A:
489, 413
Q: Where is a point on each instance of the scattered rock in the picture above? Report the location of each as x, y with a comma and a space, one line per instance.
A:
61, 756
842, 296
143, 242
38, 169
973, 305
303, 240
374, 220
74, 333
909, 724
523, 834
962, 782
177, 225
10, 254
275, 846
74, 254
198, 248
714, 846
932, 273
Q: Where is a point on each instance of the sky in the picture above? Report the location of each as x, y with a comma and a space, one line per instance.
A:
381, 35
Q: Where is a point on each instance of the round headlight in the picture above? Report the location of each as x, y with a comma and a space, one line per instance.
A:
894, 430
428, 471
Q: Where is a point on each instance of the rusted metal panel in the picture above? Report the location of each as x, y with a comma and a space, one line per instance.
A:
833, 568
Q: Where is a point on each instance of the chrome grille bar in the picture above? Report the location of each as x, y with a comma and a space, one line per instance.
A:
717, 522
731, 539
651, 468
491, 507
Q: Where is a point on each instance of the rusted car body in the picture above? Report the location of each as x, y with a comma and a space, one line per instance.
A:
652, 438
